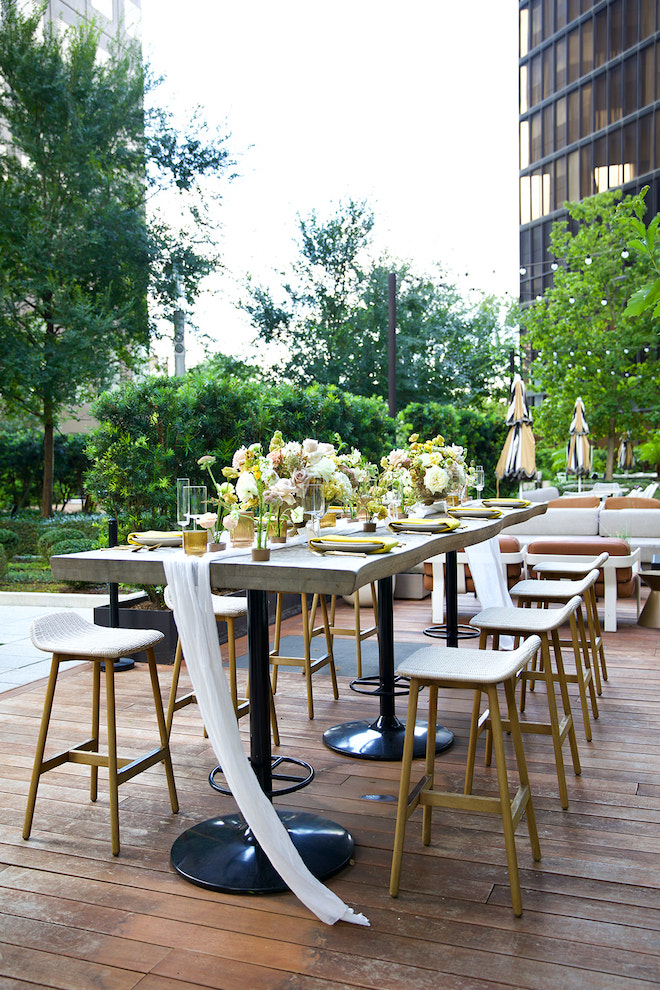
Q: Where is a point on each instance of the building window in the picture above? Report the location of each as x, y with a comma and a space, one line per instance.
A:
647, 76
548, 130
574, 176
548, 60
587, 184
560, 123
573, 116
616, 28
615, 95
632, 22
645, 143
587, 46
524, 31
535, 92
561, 187
524, 94
562, 14
601, 170
525, 199
535, 137
630, 102
630, 152
537, 24
601, 38
600, 102
648, 20
561, 67
586, 126
574, 56
524, 144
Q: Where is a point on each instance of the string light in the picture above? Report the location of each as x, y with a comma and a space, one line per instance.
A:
625, 254
588, 260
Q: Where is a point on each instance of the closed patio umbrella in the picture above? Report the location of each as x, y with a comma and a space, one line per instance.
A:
518, 457
625, 457
578, 450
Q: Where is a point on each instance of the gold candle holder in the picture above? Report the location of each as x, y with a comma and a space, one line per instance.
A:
194, 541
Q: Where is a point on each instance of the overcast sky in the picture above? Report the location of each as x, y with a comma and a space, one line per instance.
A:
411, 106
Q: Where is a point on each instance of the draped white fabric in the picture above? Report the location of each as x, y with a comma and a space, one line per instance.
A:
485, 560
189, 581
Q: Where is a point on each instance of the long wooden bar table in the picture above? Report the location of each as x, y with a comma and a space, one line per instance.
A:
221, 854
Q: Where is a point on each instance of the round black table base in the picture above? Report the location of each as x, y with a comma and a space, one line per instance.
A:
123, 663
382, 739
222, 854
462, 632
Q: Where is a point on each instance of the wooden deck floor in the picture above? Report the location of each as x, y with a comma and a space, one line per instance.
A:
73, 917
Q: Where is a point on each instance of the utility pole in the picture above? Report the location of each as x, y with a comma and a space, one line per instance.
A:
391, 286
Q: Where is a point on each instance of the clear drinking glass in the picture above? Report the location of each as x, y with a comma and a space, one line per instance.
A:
182, 501
314, 505
479, 480
196, 501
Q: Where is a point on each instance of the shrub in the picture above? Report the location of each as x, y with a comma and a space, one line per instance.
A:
3, 563
9, 542
25, 525
153, 431
71, 544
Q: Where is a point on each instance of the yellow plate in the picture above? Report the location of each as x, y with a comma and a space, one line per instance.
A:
433, 526
153, 537
353, 544
507, 503
468, 513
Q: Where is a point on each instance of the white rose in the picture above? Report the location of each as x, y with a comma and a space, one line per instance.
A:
246, 486
325, 468
436, 480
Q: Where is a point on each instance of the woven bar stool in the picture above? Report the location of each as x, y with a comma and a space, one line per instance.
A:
355, 631
482, 670
560, 592
544, 623
308, 663
575, 570
69, 637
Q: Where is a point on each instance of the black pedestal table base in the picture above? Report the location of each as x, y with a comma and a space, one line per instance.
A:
222, 854
382, 739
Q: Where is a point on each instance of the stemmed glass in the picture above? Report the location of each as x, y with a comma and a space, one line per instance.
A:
183, 501
314, 505
479, 479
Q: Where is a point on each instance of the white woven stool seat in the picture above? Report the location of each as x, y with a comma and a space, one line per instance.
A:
486, 672
223, 605
524, 620
553, 591
570, 568
68, 634
468, 666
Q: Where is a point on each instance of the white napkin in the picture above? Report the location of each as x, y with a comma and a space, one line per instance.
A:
485, 561
189, 581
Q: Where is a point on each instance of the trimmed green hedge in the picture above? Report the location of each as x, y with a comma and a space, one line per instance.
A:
153, 431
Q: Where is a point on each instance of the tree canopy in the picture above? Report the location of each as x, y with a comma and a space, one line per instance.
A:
79, 254
332, 320
583, 341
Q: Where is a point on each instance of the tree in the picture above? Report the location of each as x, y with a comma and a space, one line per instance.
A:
583, 342
333, 323
78, 252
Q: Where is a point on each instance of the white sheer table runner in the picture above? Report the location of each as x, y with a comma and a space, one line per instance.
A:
189, 581
485, 560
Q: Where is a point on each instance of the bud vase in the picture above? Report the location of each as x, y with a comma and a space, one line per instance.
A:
260, 553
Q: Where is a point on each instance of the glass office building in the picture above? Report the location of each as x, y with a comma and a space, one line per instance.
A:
589, 114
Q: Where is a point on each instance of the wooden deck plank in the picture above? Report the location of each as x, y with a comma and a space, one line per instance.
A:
72, 916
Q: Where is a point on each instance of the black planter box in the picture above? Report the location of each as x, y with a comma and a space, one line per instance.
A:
163, 621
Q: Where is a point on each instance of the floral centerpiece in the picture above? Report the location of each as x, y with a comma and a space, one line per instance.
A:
435, 468
255, 478
225, 500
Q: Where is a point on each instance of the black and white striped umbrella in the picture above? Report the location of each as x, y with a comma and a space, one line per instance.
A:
578, 450
518, 457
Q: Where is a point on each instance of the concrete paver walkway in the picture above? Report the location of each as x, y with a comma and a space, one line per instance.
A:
20, 661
